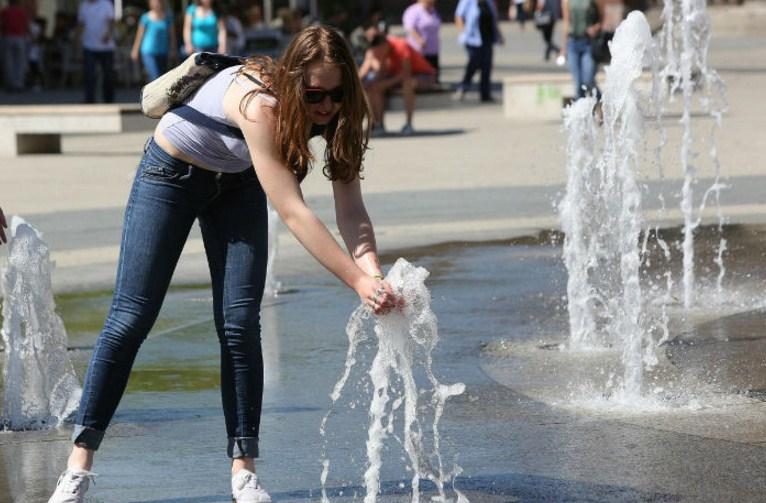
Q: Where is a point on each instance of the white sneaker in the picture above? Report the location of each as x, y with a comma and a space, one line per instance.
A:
246, 489
72, 486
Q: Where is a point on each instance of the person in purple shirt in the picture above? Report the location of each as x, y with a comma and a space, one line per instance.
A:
422, 22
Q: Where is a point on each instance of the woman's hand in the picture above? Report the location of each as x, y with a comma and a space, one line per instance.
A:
377, 295
134, 55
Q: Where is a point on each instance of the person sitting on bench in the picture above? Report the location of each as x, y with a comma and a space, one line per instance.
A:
390, 62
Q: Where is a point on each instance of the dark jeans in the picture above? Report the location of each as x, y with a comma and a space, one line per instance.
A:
167, 196
105, 60
154, 64
581, 65
433, 59
479, 58
547, 32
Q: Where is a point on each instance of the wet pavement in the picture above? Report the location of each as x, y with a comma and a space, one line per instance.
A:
514, 441
167, 443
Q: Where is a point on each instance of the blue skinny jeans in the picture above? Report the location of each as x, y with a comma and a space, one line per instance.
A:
168, 195
581, 65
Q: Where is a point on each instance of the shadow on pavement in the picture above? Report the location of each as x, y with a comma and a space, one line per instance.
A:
422, 133
502, 488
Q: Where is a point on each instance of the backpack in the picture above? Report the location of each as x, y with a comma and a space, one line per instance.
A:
172, 88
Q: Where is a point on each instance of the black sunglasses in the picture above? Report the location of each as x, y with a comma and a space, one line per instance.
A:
315, 95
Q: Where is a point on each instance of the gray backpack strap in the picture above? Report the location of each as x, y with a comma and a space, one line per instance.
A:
196, 117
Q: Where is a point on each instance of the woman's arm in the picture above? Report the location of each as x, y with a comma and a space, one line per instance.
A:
137, 41
459, 23
187, 34
593, 29
564, 27
284, 192
355, 226
366, 66
221, 36
410, 26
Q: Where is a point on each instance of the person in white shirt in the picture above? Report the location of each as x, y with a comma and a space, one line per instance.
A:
96, 26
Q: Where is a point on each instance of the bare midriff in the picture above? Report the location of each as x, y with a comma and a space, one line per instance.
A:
168, 147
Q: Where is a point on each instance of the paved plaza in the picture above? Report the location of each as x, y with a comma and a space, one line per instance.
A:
468, 176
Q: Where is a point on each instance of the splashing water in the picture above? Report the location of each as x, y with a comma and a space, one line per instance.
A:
685, 41
41, 388
601, 212
406, 339
272, 286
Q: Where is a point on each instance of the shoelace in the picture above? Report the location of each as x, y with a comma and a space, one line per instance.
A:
73, 481
251, 481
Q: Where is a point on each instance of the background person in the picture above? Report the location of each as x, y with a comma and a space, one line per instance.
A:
14, 31
390, 62
580, 24
204, 30
235, 32
422, 22
155, 40
520, 11
260, 37
35, 53
96, 26
477, 22
200, 166
546, 14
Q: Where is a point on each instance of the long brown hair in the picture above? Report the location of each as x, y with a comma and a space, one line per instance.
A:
347, 134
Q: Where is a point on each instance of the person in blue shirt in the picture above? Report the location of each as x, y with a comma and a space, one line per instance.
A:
477, 22
204, 29
155, 39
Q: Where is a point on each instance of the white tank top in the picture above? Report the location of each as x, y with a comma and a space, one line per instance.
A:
211, 149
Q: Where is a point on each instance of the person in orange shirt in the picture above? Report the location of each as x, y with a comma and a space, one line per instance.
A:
390, 62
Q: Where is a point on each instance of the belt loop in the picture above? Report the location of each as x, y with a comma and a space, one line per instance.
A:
148, 142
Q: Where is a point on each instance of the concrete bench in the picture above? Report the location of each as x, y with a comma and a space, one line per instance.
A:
536, 96
437, 98
36, 129
542, 96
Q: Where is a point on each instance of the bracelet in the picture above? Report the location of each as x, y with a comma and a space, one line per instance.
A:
378, 277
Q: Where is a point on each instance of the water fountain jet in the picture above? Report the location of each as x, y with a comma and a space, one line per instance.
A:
40, 386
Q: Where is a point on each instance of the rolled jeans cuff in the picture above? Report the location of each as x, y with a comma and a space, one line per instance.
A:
86, 437
243, 447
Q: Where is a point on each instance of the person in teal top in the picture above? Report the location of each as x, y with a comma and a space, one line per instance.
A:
155, 39
204, 30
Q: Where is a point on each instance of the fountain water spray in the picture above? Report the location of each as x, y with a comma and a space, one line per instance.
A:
406, 337
41, 389
685, 40
271, 288
601, 212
